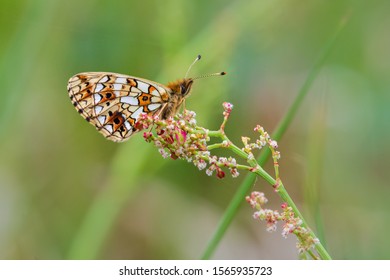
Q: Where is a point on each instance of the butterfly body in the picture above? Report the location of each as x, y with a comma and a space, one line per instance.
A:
113, 102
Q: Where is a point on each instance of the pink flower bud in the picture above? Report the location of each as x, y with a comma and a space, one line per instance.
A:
180, 136
227, 107
273, 144
220, 174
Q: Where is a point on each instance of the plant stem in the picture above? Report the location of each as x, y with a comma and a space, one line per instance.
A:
273, 182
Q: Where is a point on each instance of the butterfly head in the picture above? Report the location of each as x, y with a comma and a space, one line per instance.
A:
182, 87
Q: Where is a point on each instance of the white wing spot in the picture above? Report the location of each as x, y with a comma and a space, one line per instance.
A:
98, 109
142, 86
155, 93
104, 79
129, 100
98, 87
127, 125
97, 98
102, 119
117, 86
108, 127
154, 106
121, 80
136, 113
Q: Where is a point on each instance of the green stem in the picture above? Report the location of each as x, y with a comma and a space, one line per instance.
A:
214, 146
215, 133
257, 169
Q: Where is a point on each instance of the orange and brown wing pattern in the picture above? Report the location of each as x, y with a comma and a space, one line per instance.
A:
113, 102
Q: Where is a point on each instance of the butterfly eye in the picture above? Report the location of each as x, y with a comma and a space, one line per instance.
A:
183, 89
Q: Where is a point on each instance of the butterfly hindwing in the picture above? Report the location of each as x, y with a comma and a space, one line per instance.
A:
113, 102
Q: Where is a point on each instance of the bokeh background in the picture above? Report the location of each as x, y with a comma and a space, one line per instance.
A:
68, 193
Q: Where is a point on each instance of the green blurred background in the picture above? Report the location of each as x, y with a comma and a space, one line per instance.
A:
68, 193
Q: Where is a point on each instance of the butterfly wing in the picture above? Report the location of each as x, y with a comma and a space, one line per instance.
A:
113, 102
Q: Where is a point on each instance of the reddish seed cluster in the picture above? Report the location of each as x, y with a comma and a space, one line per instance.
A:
292, 224
180, 138
216, 164
256, 201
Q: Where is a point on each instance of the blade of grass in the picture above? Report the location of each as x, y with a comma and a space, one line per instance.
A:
248, 182
314, 167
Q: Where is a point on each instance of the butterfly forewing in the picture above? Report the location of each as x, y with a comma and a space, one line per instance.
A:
113, 102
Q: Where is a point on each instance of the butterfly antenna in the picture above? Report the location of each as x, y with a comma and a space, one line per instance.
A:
209, 75
192, 64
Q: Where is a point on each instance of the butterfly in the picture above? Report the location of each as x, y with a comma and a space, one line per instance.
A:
114, 102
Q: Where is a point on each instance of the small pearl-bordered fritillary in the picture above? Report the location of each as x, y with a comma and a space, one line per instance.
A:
113, 102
